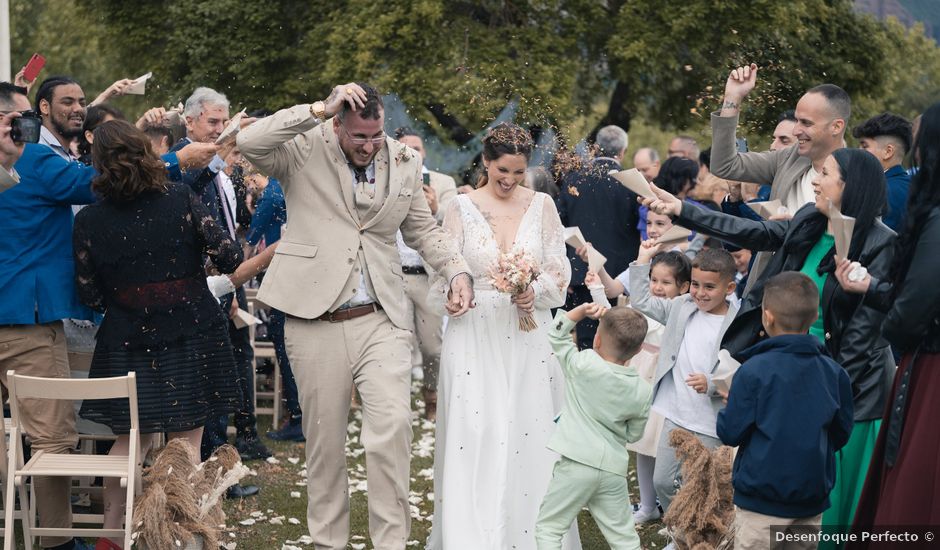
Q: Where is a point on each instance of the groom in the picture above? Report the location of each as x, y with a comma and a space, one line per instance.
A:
337, 276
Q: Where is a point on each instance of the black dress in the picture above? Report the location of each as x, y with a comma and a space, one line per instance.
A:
142, 264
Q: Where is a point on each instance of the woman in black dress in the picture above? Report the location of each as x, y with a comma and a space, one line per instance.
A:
139, 258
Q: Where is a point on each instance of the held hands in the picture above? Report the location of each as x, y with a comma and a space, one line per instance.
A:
856, 284
740, 83
350, 94
584, 310
460, 295
582, 252
665, 203
592, 280
698, 382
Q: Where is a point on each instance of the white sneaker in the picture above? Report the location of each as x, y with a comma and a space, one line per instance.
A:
640, 517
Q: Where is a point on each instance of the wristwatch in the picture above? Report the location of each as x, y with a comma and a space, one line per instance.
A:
318, 110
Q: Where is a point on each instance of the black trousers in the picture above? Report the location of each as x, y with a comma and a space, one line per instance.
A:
244, 419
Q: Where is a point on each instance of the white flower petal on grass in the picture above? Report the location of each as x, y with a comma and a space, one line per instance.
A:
248, 521
427, 473
293, 460
272, 460
293, 521
230, 545
256, 514
357, 546
295, 494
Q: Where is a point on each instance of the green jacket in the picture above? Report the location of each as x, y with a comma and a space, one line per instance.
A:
606, 405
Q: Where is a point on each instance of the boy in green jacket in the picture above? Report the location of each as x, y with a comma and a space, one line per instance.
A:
607, 404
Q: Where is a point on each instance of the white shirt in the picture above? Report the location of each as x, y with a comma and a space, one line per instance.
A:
802, 192
362, 295
674, 398
409, 256
47, 138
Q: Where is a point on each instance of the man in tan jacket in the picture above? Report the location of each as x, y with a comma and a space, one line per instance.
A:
338, 277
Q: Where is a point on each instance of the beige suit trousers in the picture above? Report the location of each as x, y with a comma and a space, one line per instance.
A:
40, 350
428, 327
327, 359
752, 531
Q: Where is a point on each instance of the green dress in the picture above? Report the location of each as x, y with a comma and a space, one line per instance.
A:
853, 459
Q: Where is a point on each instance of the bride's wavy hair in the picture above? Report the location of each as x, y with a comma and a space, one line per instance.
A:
126, 163
505, 139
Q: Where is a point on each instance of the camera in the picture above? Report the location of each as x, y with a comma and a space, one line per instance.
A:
25, 128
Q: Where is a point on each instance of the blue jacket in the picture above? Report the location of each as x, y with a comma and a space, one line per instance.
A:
269, 216
37, 273
899, 184
789, 411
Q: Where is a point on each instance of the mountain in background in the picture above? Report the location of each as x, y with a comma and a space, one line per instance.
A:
907, 12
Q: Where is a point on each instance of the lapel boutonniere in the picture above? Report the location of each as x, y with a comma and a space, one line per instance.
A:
403, 155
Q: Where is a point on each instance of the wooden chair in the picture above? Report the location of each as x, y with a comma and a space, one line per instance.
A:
264, 350
126, 468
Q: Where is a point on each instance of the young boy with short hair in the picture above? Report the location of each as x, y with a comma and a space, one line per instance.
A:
688, 356
607, 404
789, 410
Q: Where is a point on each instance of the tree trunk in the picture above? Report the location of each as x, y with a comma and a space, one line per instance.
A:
455, 129
617, 112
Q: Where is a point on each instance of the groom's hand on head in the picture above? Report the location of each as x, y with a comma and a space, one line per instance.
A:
460, 296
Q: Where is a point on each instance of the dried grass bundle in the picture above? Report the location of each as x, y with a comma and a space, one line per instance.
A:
181, 500
702, 514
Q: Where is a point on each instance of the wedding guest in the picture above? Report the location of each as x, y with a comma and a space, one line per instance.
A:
900, 487
94, 117
684, 147
888, 137
37, 278
606, 406
646, 160
851, 182
695, 323
538, 179
607, 214
138, 256
789, 411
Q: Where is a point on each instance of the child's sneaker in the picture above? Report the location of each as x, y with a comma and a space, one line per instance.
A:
640, 516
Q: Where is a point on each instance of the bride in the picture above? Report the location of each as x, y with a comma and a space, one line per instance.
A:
499, 388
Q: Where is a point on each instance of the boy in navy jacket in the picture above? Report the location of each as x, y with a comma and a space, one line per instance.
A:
789, 410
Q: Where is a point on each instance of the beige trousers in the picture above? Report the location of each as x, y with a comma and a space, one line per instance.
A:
39, 350
752, 531
327, 359
428, 327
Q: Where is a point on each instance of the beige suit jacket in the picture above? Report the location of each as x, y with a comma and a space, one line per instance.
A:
446, 189
318, 251
782, 169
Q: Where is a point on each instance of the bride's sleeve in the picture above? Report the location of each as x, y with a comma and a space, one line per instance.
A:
453, 225
555, 271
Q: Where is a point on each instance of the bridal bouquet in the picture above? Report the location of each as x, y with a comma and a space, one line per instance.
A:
512, 274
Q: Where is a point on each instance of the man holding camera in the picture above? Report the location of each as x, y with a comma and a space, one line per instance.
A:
37, 285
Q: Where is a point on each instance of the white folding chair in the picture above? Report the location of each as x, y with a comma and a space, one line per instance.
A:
126, 468
264, 350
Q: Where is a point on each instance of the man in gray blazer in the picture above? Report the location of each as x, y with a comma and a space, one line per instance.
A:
822, 115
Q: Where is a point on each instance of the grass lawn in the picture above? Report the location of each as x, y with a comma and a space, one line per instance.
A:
276, 518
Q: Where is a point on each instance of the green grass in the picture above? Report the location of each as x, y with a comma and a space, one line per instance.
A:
277, 481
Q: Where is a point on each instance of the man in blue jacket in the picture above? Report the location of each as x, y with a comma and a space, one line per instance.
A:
37, 287
889, 137
789, 411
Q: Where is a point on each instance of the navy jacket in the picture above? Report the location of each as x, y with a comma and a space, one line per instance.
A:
789, 411
202, 182
899, 184
270, 214
607, 214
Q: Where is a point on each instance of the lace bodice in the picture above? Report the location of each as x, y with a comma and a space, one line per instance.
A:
540, 234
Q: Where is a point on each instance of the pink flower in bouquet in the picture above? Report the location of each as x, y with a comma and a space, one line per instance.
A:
512, 274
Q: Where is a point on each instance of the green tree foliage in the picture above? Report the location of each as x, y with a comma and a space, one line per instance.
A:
574, 64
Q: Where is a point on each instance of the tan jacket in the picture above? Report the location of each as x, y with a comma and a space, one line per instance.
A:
313, 268
446, 189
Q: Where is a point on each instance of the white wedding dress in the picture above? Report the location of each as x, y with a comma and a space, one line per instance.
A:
499, 391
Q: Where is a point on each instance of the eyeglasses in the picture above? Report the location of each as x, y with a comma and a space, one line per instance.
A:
362, 141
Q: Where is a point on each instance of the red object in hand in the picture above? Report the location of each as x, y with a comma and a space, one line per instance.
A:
31, 70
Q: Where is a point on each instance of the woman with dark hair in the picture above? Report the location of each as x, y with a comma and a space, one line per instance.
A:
905, 471
138, 258
499, 387
677, 176
94, 117
852, 182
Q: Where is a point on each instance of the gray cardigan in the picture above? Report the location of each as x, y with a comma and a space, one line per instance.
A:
674, 313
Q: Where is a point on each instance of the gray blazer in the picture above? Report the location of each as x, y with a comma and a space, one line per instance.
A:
782, 169
674, 313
